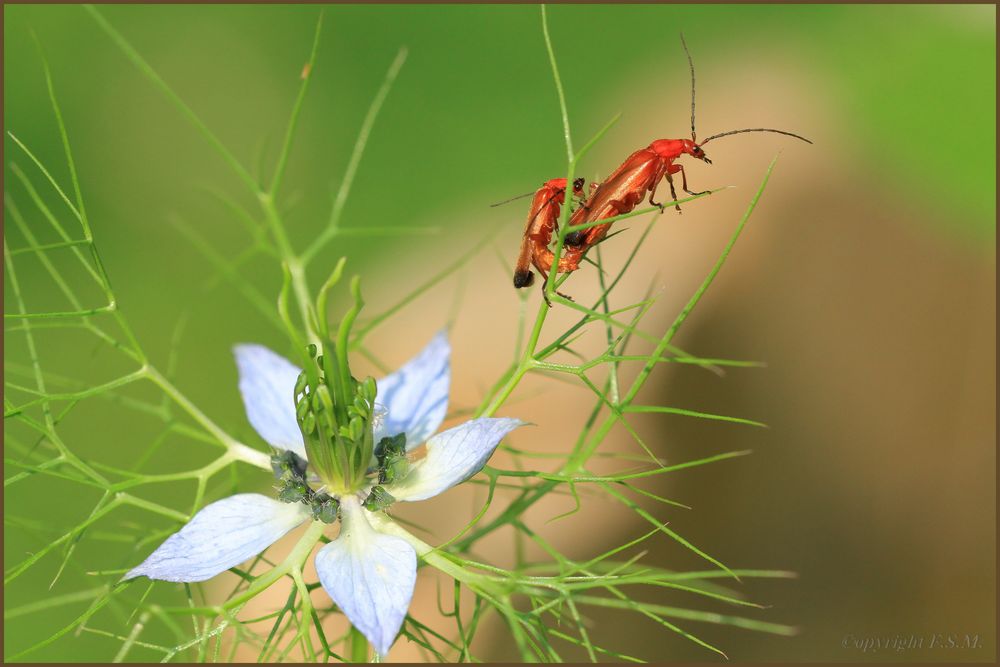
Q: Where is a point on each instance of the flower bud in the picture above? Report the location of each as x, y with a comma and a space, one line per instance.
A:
293, 492
325, 508
378, 499
392, 462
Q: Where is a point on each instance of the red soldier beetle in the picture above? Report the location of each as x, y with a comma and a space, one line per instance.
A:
542, 222
642, 171
620, 193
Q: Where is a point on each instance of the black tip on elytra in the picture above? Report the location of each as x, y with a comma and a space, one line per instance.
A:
575, 238
523, 279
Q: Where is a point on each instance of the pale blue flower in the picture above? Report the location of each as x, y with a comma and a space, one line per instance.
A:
369, 574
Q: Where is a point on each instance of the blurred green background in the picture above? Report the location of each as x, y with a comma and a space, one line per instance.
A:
866, 280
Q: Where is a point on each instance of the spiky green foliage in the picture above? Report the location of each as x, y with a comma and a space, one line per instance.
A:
544, 604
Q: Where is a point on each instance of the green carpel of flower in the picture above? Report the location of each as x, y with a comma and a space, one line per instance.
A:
335, 411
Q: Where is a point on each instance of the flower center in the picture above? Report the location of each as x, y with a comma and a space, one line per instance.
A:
336, 414
290, 469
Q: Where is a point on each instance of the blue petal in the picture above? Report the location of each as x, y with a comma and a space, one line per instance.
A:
416, 395
370, 575
220, 536
453, 456
267, 383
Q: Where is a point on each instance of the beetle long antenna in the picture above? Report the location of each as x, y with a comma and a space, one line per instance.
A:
755, 129
507, 201
691, 66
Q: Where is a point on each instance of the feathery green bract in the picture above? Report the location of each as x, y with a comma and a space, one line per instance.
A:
545, 604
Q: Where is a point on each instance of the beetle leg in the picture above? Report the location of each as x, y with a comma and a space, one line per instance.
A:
659, 172
652, 194
586, 197
545, 279
684, 182
673, 193
541, 285
546, 296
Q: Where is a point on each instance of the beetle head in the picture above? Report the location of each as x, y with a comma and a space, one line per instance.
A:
695, 151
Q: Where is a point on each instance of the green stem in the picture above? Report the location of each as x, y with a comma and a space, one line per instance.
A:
559, 87
483, 584
236, 449
359, 646
333, 226
584, 449
526, 363
296, 268
188, 113
294, 560
279, 170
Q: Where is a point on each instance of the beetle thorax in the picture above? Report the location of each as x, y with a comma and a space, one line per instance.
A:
670, 149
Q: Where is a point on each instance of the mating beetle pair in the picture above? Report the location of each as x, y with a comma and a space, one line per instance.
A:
618, 194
